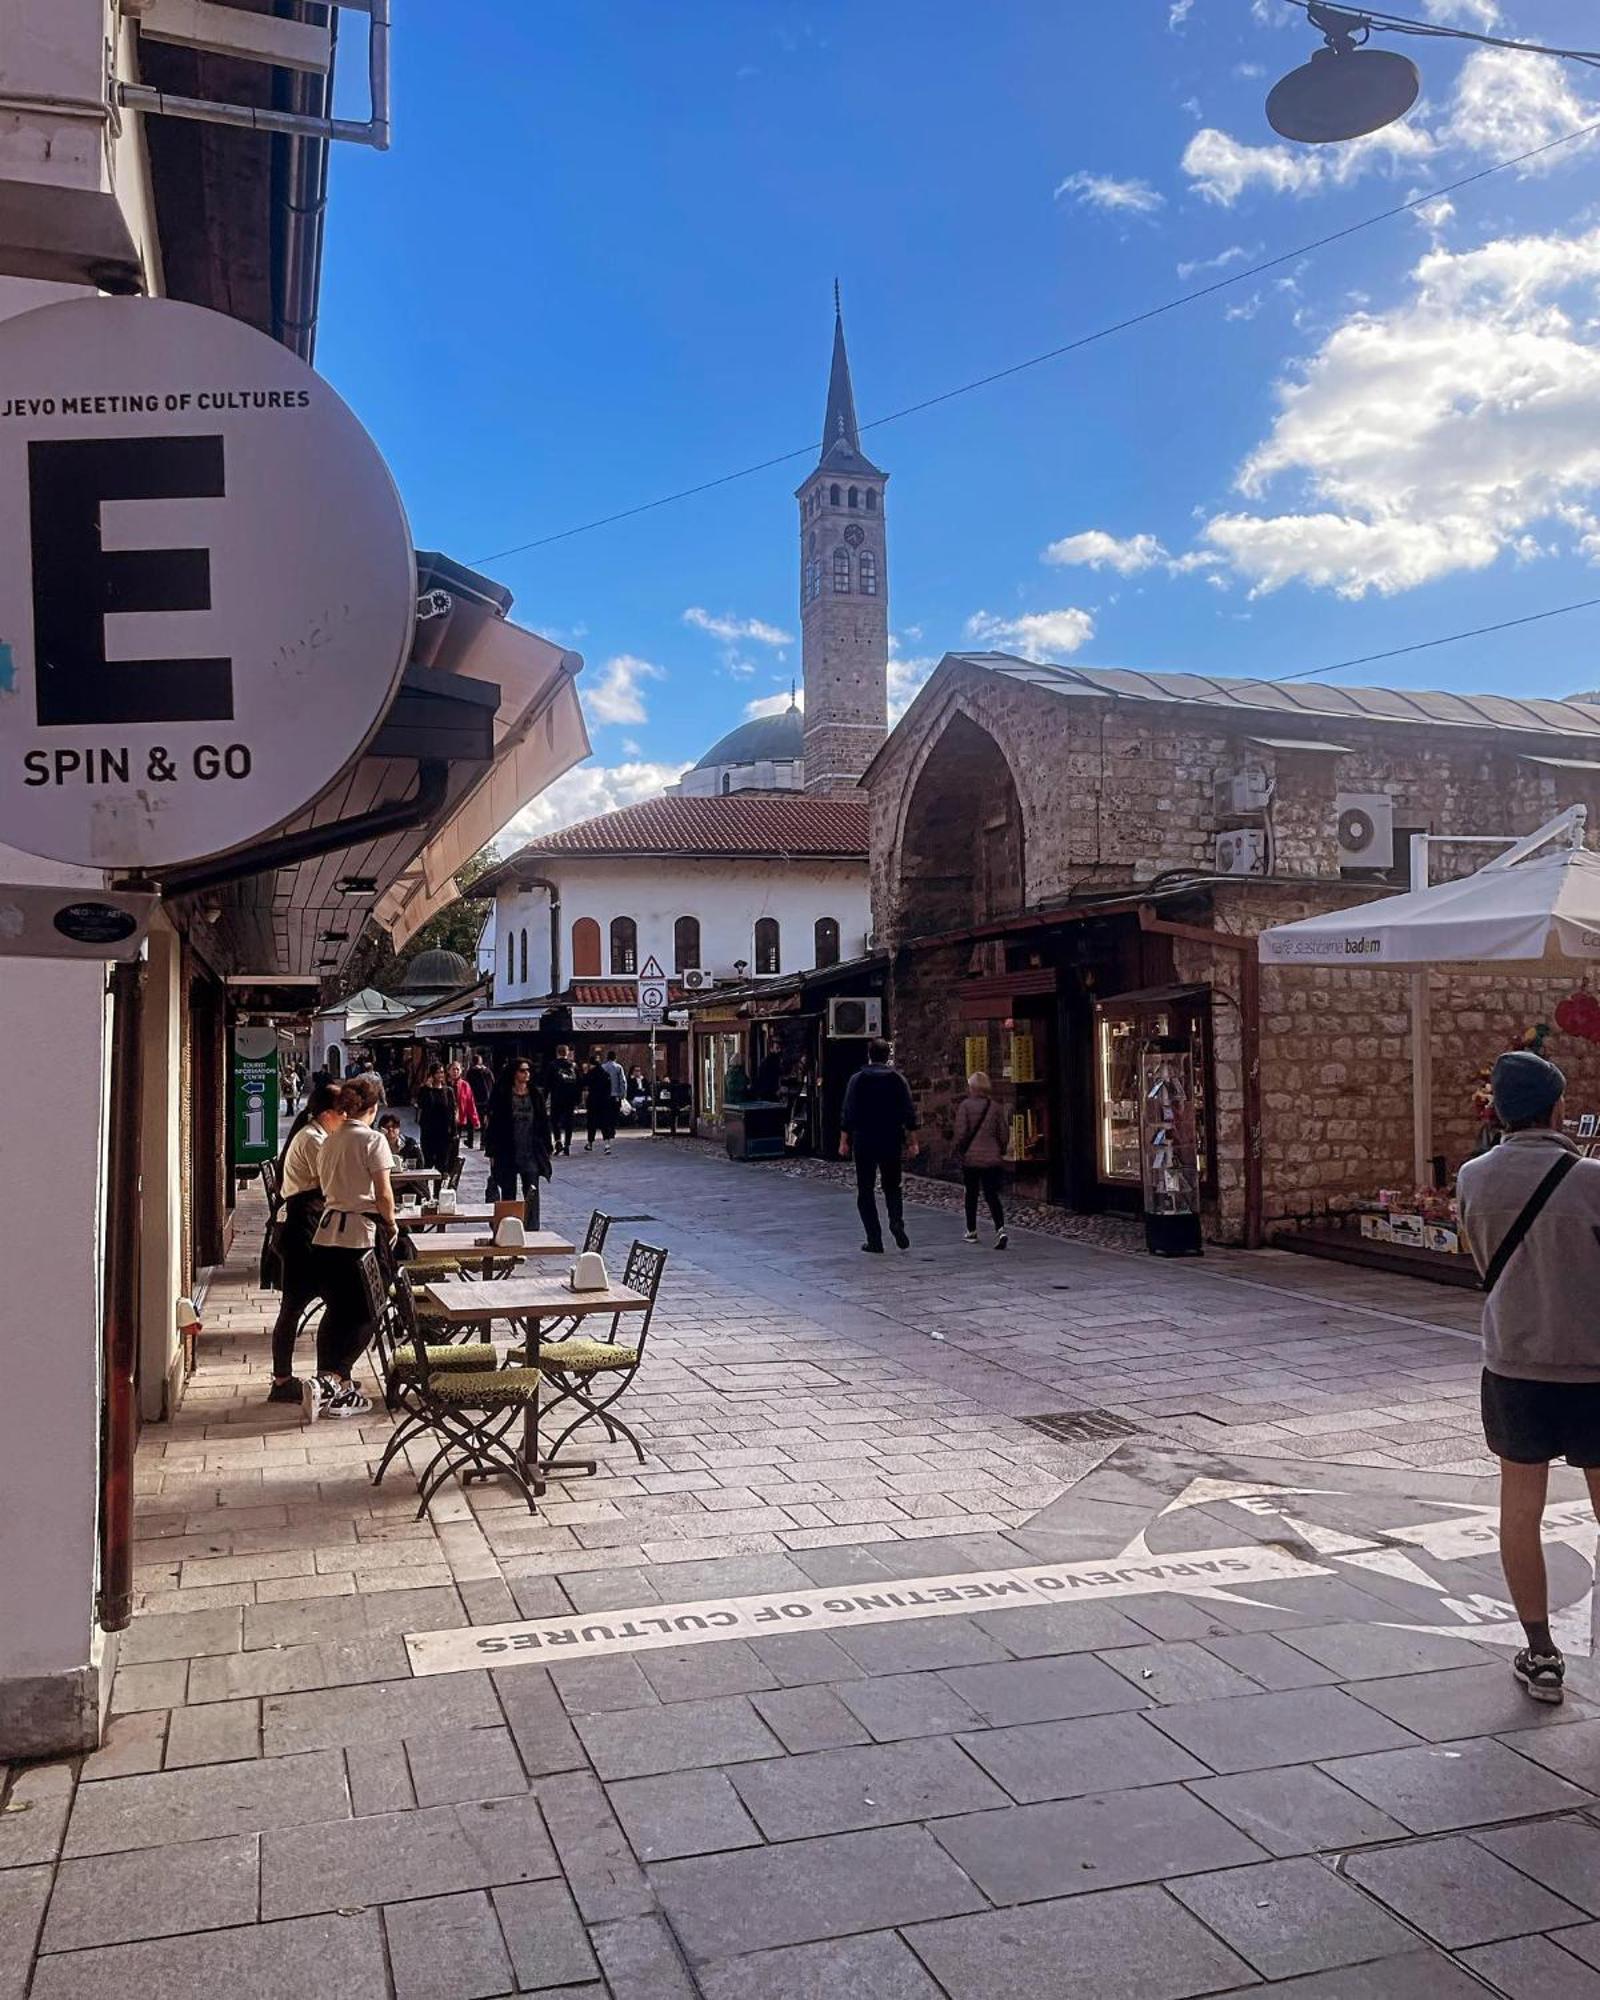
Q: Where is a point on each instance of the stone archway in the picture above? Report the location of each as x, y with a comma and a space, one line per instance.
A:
961, 859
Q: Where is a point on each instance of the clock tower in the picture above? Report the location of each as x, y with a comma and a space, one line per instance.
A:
844, 593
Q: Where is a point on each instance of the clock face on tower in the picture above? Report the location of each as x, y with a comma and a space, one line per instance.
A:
855, 535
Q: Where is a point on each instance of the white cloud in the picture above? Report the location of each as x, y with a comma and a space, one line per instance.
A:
1104, 191
1234, 254
1178, 12
730, 628
1223, 168
773, 704
741, 670
1433, 438
616, 694
1463, 13
1506, 103
907, 672
1036, 635
1095, 549
631, 748
590, 789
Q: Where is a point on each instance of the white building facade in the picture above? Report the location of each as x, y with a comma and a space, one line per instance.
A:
728, 887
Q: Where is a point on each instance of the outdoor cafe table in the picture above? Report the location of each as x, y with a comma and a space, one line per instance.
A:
526, 1302
442, 1218
410, 1177
483, 1249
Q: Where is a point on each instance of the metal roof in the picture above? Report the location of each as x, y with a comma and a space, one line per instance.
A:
1303, 700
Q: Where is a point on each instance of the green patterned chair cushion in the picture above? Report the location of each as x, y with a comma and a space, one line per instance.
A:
583, 1357
485, 1388
451, 1354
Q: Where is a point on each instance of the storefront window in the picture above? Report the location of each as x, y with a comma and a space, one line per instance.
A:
1124, 1027
718, 1054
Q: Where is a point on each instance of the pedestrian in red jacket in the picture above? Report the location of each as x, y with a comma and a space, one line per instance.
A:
468, 1117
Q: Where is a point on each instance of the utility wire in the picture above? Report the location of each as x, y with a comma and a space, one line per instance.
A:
1067, 347
1405, 24
1425, 645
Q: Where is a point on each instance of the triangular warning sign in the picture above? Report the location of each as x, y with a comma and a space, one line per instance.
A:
651, 968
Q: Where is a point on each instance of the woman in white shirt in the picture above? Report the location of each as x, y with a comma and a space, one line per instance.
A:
354, 1168
295, 1227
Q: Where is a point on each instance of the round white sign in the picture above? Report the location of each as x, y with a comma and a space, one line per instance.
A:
207, 584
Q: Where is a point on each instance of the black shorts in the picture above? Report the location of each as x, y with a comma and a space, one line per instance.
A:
1533, 1422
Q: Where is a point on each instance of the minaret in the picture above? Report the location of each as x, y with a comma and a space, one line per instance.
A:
844, 593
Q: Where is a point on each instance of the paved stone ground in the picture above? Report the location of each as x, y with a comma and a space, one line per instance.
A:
1165, 1782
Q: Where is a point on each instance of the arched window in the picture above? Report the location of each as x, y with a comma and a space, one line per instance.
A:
872, 499
727, 781
833, 496
586, 949
855, 496
841, 571
825, 938
767, 956
867, 564
686, 944
624, 946
523, 950
511, 958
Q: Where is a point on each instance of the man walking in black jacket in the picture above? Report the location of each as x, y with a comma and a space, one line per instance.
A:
878, 1120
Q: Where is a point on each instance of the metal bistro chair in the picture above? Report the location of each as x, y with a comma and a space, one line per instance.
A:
576, 1366
472, 1412
594, 1238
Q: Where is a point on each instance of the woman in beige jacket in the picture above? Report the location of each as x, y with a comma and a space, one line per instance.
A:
980, 1138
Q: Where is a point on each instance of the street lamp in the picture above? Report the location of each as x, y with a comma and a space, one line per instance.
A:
1348, 89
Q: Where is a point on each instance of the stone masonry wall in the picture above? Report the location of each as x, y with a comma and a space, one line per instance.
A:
1116, 794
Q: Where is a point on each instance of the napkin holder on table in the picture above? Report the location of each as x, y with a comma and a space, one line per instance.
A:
509, 1233
589, 1273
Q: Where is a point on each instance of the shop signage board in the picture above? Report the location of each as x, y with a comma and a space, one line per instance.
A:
206, 583
255, 1096
41, 922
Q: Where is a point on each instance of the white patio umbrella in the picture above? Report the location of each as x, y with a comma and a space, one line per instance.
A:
1539, 899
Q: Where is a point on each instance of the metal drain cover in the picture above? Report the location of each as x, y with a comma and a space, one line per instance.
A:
1076, 1426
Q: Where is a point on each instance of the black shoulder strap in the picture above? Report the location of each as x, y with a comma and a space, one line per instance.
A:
1525, 1221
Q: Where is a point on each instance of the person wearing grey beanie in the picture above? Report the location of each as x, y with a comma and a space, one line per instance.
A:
1530, 1212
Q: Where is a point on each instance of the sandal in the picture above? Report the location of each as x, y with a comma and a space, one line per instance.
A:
1542, 1674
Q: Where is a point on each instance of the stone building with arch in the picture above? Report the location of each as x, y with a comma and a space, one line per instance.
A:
1047, 879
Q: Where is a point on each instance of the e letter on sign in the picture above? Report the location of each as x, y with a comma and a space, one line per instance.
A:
206, 583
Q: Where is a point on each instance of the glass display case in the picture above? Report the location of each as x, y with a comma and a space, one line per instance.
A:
1169, 1159
1124, 1027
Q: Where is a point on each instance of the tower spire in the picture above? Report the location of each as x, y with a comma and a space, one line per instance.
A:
839, 425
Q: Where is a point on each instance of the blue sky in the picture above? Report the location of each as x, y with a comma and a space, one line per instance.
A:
597, 267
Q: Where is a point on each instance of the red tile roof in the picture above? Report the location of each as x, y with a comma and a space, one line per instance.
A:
613, 992
749, 825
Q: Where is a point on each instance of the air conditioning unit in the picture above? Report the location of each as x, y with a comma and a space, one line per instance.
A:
1242, 852
1248, 790
696, 981
1366, 829
855, 1020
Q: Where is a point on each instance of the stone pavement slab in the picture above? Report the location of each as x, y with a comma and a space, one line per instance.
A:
806, 1890
1457, 1893
1072, 1846
1124, 1944
844, 1791
1288, 1917
1451, 1785
151, 1892
881, 1966
326, 1954
1063, 1760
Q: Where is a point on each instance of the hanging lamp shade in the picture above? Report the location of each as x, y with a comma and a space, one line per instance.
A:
1343, 94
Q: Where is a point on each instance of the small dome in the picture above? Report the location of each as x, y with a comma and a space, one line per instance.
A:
436, 972
780, 738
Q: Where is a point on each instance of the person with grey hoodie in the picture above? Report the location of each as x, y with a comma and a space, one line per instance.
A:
980, 1139
1530, 1211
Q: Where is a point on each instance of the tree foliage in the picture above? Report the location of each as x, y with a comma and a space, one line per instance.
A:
375, 962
